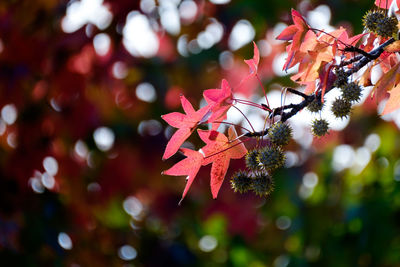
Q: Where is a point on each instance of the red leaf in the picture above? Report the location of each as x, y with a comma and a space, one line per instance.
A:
186, 124
288, 33
219, 151
220, 100
253, 63
297, 35
189, 166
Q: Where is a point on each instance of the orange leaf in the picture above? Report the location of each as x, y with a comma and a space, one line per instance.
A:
387, 82
189, 166
186, 124
219, 100
393, 102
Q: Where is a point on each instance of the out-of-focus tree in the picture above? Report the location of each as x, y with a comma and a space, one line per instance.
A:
82, 87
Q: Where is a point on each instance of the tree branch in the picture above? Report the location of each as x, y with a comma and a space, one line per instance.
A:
361, 61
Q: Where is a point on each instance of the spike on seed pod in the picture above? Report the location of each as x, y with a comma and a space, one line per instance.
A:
319, 127
341, 78
371, 18
241, 182
351, 92
341, 107
271, 158
262, 185
316, 105
251, 160
280, 134
387, 27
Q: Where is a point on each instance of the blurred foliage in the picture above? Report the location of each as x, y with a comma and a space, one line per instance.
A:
63, 92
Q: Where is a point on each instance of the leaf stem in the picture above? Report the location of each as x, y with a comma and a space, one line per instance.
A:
262, 86
247, 119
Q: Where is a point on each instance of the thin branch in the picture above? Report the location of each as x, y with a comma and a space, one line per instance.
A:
359, 51
293, 91
374, 54
350, 61
257, 134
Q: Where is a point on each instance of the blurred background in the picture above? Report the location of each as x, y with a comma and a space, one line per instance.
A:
83, 84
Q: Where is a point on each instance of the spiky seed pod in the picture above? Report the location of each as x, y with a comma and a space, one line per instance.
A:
241, 182
319, 127
351, 92
341, 78
387, 27
341, 107
271, 158
251, 160
280, 134
316, 105
262, 185
370, 20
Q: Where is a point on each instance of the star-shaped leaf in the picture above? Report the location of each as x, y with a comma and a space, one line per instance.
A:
189, 166
220, 100
219, 150
297, 33
387, 82
186, 124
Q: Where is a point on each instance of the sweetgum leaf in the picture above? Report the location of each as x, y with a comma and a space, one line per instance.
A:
393, 102
186, 124
253, 62
387, 82
219, 151
219, 101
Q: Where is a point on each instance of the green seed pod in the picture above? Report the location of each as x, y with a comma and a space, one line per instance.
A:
319, 127
262, 185
271, 158
280, 134
387, 27
251, 160
351, 92
341, 108
316, 105
370, 20
341, 78
241, 182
